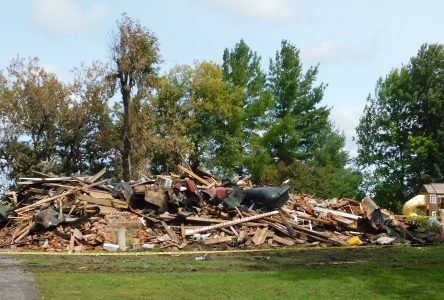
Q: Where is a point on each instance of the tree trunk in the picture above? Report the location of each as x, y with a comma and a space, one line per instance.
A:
126, 162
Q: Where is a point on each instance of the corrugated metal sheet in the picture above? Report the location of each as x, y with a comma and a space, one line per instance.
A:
433, 188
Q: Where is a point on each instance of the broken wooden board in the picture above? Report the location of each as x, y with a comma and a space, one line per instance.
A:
103, 201
338, 213
218, 240
170, 232
192, 174
260, 236
283, 241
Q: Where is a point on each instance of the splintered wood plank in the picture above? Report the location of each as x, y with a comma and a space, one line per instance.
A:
202, 219
337, 213
256, 236
218, 240
71, 244
263, 235
283, 241
182, 230
260, 235
170, 232
96, 176
289, 228
111, 202
192, 174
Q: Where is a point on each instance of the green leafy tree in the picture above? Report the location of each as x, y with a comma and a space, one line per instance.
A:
400, 136
84, 133
172, 111
297, 118
135, 59
300, 138
29, 113
242, 71
210, 107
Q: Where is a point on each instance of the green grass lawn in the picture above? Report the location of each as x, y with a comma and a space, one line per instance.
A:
377, 273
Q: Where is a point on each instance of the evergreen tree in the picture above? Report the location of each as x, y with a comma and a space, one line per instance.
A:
298, 120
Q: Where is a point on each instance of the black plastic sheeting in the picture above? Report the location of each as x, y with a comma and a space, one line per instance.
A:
271, 198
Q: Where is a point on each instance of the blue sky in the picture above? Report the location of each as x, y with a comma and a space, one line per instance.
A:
354, 41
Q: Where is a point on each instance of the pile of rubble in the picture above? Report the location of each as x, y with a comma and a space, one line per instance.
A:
194, 210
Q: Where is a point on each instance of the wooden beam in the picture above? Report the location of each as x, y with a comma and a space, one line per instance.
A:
289, 228
218, 240
283, 241
192, 174
230, 223
338, 213
69, 192
96, 176
170, 232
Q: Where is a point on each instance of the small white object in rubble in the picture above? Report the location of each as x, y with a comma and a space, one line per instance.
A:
148, 246
385, 240
110, 247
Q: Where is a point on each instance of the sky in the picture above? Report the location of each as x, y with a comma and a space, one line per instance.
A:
354, 41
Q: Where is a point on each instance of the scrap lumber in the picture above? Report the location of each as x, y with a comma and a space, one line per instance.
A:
338, 213
203, 219
173, 213
283, 241
69, 192
103, 201
218, 240
96, 176
170, 232
192, 174
230, 223
260, 236
289, 228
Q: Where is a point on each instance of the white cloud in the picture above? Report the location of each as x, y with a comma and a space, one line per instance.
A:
65, 17
335, 52
275, 10
332, 51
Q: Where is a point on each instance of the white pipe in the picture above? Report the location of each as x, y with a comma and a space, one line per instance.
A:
409, 207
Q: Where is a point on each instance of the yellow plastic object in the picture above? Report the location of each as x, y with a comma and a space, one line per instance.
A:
409, 207
355, 241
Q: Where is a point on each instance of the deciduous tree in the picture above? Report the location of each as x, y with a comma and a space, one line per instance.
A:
400, 135
135, 59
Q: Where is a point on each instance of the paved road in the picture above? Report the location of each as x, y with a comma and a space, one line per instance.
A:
15, 283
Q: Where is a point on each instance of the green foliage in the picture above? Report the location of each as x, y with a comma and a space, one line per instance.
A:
31, 99
172, 109
44, 119
242, 72
84, 131
297, 119
135, 59
400, 136
233, 119
319, 181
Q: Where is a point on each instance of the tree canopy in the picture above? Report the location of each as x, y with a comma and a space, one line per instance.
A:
400, 135
233, 118
135, 58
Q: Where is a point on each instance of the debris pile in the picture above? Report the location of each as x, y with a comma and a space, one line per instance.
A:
194, 210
